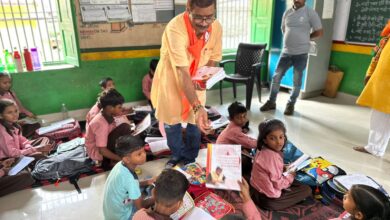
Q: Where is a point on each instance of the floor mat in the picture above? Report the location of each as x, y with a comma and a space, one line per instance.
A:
310, 209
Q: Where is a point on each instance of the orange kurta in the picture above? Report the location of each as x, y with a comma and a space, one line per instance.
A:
167, 84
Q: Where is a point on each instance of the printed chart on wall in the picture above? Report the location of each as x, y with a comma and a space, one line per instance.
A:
122, 23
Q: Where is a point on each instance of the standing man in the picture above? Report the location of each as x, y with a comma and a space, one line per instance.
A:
300, 24
191, 40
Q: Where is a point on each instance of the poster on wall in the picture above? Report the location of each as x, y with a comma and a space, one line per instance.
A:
122, 23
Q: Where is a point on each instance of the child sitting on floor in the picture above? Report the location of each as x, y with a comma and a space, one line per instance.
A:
233, 133
105, 84
168, 193
12, 142
270, 188
103, 131
122, 194
363, 202
148, 79
6, 93
10, 184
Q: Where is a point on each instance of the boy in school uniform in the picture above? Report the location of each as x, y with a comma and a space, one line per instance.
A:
102, 131
233, 133
122, 194
168, 193
105, 84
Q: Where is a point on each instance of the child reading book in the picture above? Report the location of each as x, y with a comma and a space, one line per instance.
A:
103, 131
105, 84
10, 184
28, 129
122, 195
363, 202
12, 142
233, 133
168, 193
270, 188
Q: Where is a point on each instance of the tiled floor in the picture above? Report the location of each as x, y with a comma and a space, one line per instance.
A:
320, 126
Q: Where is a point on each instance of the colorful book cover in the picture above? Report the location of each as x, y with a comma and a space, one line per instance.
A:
195, 173
223, 169
322, 170
214, 205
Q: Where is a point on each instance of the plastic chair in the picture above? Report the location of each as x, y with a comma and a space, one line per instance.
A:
248, 63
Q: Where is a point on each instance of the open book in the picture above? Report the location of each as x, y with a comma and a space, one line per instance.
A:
19, 165
143, 125
223, 170
297, 165
55, 126
195, 174
207, 206
222, 121
211, 74
345, 182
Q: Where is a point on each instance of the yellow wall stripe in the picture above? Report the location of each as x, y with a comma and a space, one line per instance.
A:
339, 47
110, 55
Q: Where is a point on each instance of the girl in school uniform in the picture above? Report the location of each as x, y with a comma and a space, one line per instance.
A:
12, 142
270, 188
6, 93
363, 202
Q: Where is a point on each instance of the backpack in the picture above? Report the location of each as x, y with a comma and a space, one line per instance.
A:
70, 163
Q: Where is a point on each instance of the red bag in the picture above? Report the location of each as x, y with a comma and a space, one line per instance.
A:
70, 131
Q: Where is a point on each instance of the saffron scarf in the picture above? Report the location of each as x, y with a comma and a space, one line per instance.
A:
384, 38
195, 49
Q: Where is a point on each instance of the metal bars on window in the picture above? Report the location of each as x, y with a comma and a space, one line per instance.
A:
29, 24
235, 17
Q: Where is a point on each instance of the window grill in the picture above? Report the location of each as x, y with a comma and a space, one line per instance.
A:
31, 23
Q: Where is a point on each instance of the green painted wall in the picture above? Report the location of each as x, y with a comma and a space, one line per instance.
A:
43, 92
354, 67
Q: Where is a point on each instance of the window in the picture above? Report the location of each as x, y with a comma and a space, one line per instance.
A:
38, 24
235, 17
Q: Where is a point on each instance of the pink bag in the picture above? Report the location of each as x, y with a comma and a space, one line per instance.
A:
70, 131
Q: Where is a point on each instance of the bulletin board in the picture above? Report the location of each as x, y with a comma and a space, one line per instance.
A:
144, 26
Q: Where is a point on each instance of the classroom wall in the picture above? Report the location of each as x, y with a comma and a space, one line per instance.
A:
44, 92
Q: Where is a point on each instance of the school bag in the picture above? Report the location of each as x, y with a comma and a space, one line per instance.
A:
70, 162
69, 131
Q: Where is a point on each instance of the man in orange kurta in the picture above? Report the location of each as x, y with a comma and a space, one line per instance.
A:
376, 95
191, 40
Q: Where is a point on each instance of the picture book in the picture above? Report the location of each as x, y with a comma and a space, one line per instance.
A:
194, 172
211, 74
322, 170
298, 164
207, 206
214, 205
223, 169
